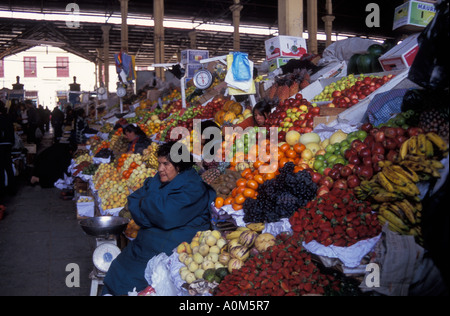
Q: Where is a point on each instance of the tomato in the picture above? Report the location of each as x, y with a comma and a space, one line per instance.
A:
246, 172
239, 199
252, 184
259, 178
285, 147
249, 193
228, 201
241, 182
290, 153
237, 207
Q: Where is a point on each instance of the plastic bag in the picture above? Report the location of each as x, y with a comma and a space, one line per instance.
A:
431, 65
241, 67
158, 276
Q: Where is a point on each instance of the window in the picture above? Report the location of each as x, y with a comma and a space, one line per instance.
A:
29, 66
62, 67
2, 69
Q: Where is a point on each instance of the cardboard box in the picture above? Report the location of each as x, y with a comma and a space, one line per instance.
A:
278, 62
324, 120
191, 69
193, 56
413, 15
401, 56
285, 46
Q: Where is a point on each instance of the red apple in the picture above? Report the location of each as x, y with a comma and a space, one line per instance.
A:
353, 181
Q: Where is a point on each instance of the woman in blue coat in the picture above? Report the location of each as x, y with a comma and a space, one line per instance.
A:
170, 208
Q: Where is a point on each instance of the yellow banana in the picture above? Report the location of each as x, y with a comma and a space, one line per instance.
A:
387, 197
234, 235
392, 176
437, 141
436, 164
399, 172
430, 149
393, 219
391, 226
410, 190
407, 210
408, 172
404, 150
412, 145
394, 208
385, 183
421, 144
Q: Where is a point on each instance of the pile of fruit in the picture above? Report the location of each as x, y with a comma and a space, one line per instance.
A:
284, 269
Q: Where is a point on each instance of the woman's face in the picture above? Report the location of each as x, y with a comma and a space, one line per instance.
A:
260, 118
130, 136
167, 171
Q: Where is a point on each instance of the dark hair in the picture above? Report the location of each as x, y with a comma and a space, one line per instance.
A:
264, 107
183, 165
130, 128
2, 107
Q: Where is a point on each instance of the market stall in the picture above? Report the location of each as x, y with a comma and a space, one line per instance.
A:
356, 158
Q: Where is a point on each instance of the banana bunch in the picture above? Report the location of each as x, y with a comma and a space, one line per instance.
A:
402, 217
424, 145
150, 156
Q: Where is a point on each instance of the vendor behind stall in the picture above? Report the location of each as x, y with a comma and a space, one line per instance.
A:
170, 208
138, 140
261, 112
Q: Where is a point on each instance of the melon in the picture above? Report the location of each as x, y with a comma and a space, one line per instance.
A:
292, 137
314, 147
307, 138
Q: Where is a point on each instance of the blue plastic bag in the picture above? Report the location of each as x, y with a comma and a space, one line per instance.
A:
241, 67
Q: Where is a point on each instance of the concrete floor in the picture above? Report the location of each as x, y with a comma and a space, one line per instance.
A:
39, 237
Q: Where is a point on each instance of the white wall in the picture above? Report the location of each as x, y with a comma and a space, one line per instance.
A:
46, 82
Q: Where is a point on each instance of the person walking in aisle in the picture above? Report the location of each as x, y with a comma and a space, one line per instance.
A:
57, 120
6, 143
32, 122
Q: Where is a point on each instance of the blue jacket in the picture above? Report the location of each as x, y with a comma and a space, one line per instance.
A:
168, 214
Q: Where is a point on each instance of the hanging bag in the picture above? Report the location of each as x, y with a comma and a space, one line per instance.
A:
241, 67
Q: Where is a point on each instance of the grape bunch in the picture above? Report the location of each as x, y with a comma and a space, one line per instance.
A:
280, 197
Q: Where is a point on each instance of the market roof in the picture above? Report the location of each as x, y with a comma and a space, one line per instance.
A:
19, 34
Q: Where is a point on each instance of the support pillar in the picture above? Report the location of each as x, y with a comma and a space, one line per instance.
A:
290, 17
236, 8
193, 39
106, 28
99, 67
158, 9
124, 27
312, 27
328, 20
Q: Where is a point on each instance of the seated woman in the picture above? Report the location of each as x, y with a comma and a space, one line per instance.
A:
170, 208
137, 138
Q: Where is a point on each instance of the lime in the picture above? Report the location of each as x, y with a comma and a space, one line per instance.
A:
344, 149
332, 159
330, 149
318, 164
361, 135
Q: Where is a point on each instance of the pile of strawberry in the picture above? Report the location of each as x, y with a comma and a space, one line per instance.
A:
336, 218
285, 269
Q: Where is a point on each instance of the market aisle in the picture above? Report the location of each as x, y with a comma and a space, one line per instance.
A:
39, 237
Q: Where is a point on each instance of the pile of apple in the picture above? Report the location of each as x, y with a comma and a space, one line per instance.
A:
363, 155
352, 90
294, 114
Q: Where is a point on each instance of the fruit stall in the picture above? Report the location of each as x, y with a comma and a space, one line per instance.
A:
338, 185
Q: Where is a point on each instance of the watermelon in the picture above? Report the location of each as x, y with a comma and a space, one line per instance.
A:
352, 67
376, 50
375, 64
364, 63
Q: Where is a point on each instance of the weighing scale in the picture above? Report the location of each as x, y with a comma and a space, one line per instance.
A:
105, 229
203, 79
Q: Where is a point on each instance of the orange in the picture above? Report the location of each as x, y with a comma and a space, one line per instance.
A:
240, 190
257, 164
228, 201
269, 176
219, 202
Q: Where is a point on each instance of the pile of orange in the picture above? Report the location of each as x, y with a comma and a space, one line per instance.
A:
247, 185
